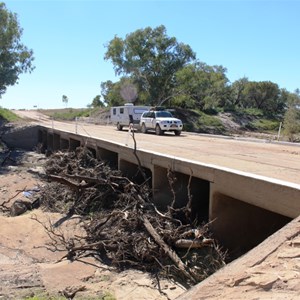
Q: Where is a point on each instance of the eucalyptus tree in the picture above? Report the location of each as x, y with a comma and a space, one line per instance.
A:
264, 95
238, 92
15, 57
291, 122
202, 86
151, 59
120, 92
65, 100
97, 102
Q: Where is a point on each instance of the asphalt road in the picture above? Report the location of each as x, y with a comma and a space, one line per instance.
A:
274, 160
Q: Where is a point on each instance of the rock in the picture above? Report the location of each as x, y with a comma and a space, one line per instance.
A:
19, 207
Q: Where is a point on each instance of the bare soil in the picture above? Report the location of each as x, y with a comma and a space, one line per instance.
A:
28, 268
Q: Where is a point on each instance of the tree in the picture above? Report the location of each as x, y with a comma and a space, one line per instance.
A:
65, 100
291, 121
238, 92
121, 92
110, 92
151, 59
97, 102
201, 86
264, 95
15, 58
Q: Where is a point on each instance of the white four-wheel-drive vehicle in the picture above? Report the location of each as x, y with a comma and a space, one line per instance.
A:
160, 121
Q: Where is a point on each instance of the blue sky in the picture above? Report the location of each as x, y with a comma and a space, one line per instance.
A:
257, 39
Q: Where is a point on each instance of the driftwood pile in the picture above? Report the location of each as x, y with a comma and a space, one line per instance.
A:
123, 227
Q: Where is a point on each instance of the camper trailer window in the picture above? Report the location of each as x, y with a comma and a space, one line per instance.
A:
122, 110
114, 111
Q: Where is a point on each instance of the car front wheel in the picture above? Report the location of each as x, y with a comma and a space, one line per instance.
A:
158, 130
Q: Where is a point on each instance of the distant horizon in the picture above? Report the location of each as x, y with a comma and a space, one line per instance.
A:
250, 38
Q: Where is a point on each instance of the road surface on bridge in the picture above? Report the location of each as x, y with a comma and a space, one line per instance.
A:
275, 160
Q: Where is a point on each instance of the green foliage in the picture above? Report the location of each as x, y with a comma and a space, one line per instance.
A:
201, 86
198, 121
45, 296
115, 94
42, 295
108, 296
253, 112
264, 95
264, 125
15, 58
97, 102
7, 115
291, 123
209, 123
237, 98
65, 100
67, 114
255, 119
151, 59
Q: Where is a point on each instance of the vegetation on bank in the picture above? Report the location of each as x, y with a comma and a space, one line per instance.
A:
7, 115
67, 114
46, 296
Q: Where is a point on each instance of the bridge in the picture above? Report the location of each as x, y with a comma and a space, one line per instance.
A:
246, 189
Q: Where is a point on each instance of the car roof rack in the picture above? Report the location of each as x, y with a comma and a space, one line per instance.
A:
157, 108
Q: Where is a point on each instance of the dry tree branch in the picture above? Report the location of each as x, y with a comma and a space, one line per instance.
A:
190, 197
172, 179
4, 207
6, 158
58, 241
137, 157
171, 253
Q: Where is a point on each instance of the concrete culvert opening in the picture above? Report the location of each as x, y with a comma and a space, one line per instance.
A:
74, 144
108, 156
132, 172
239, 226
168, 185
93, 152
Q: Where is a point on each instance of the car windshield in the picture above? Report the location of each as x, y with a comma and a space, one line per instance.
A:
163, 114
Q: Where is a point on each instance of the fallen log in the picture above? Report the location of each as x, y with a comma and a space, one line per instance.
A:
170, 252
70, 184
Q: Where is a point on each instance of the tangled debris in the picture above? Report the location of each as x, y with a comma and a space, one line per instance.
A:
123, 227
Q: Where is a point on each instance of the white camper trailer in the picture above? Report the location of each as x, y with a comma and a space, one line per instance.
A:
123, 116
